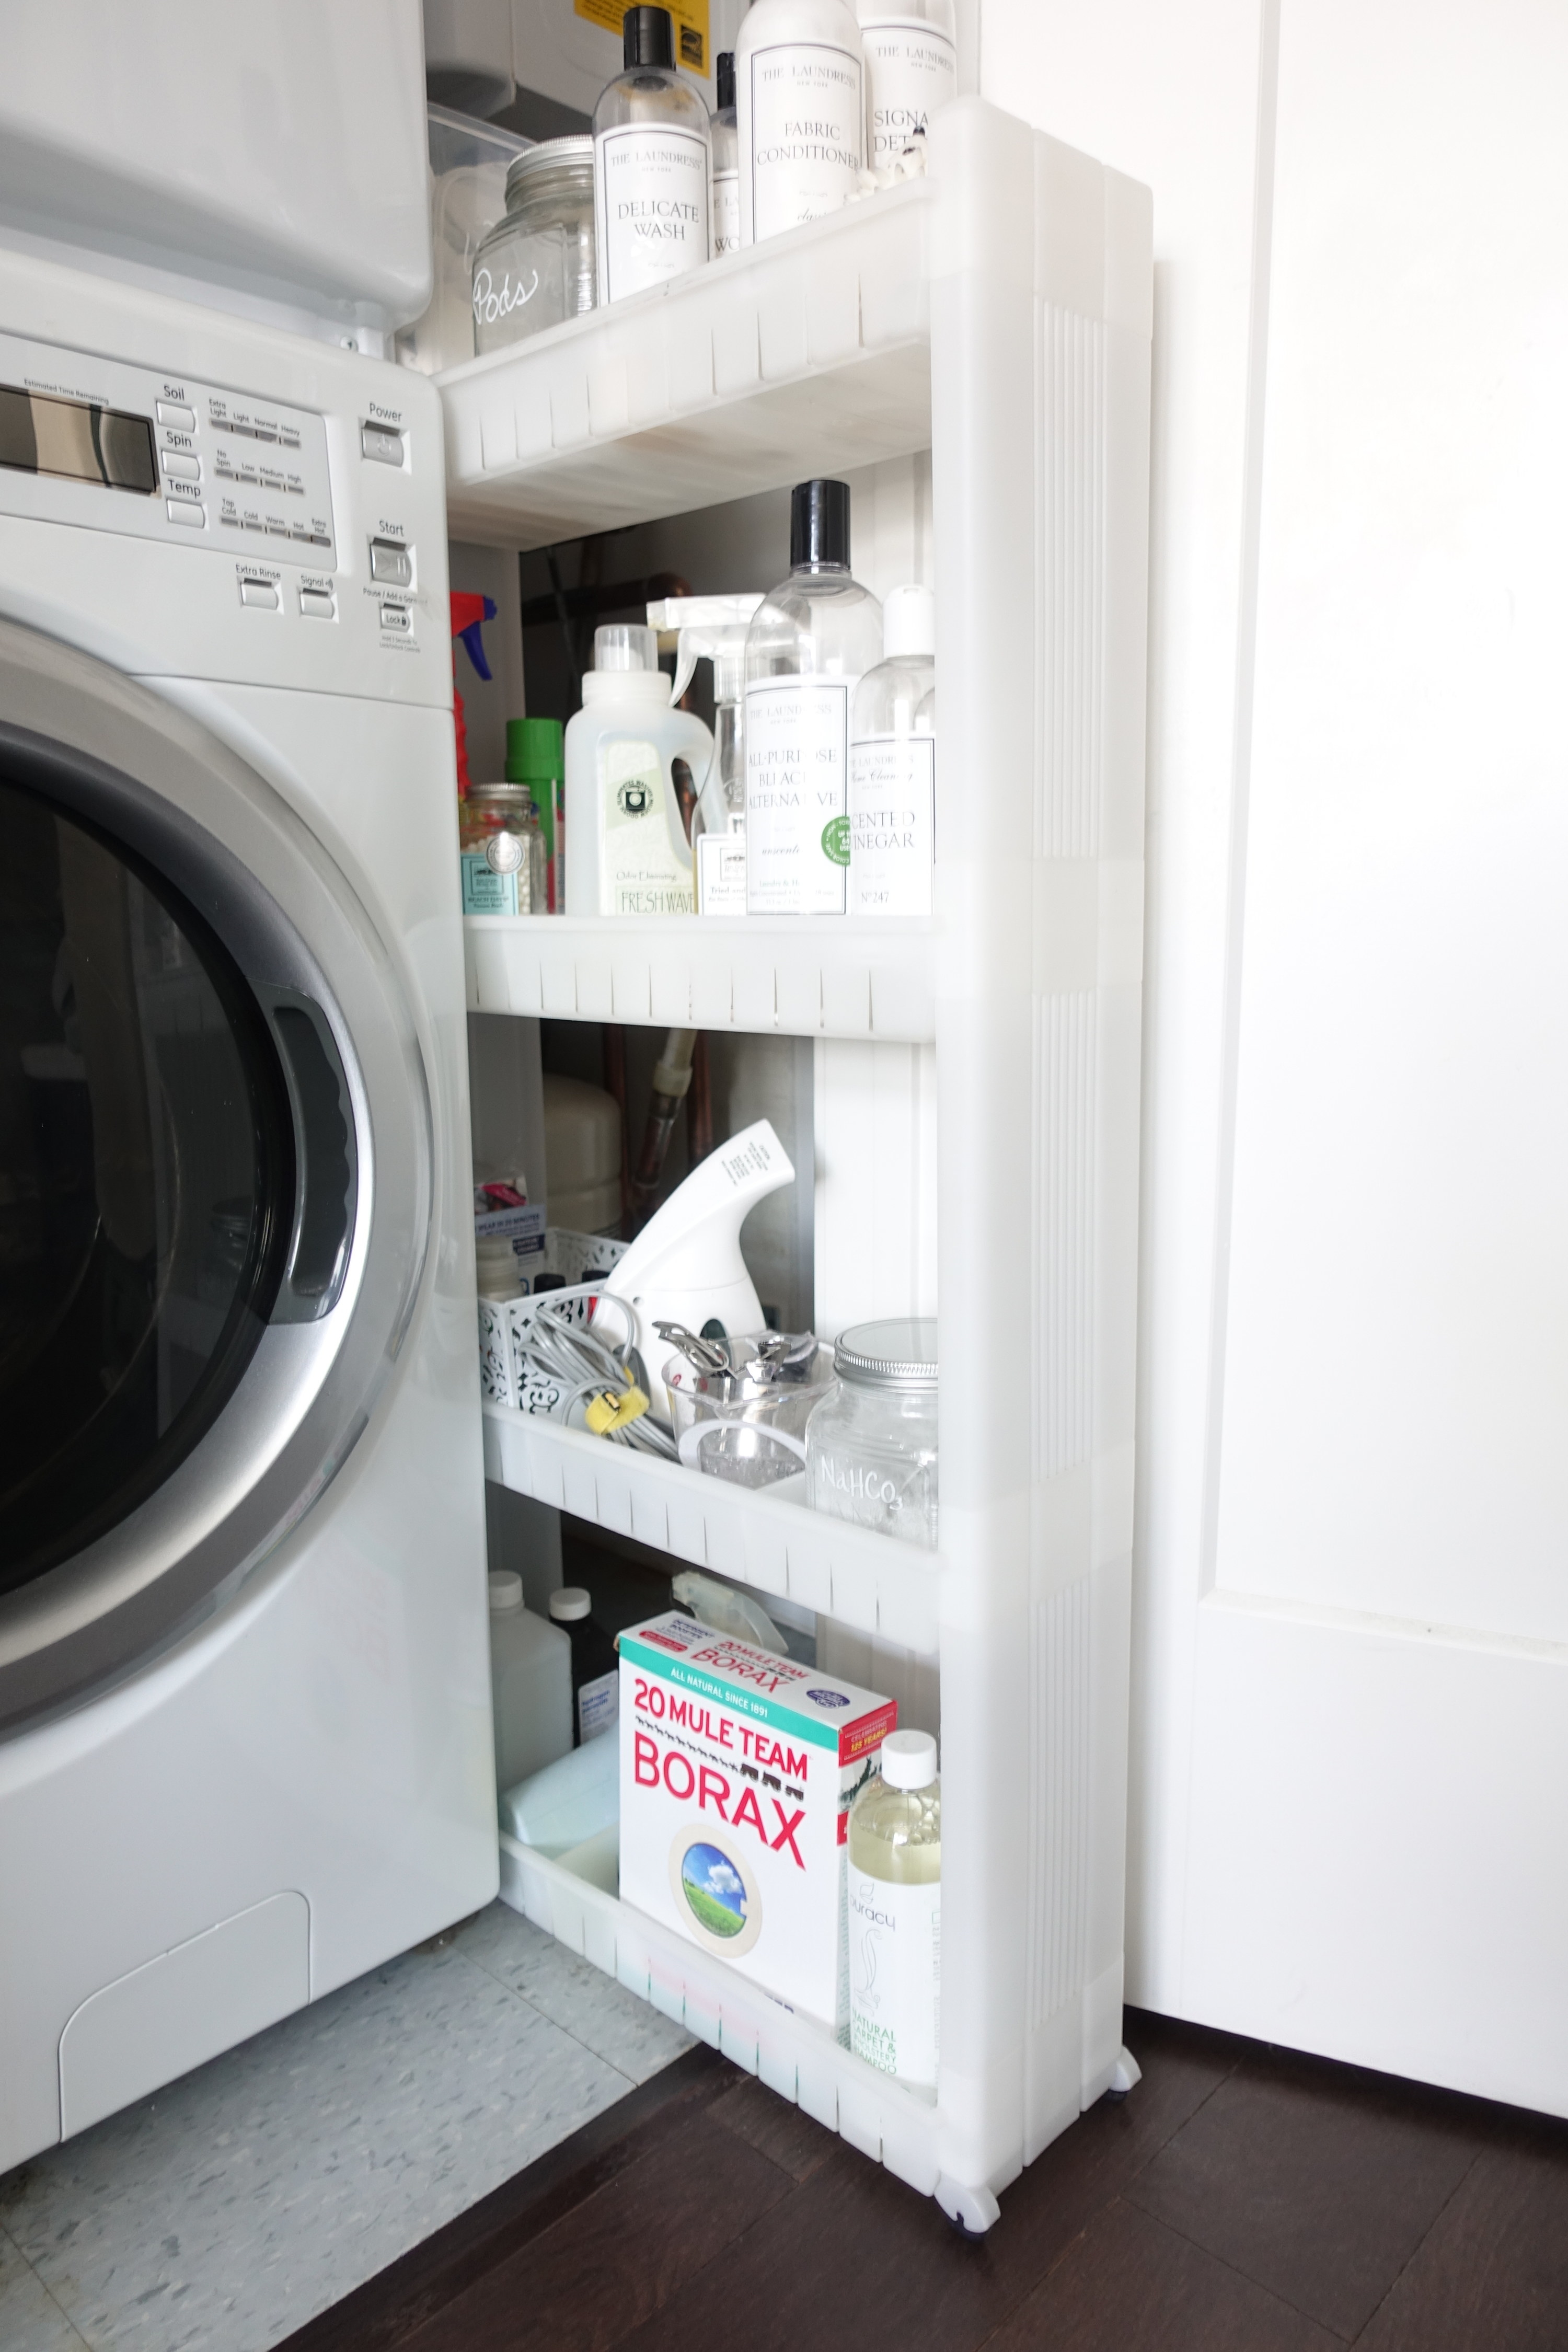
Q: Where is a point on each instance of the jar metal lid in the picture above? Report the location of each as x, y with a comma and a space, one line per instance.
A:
571, 157
894, 1355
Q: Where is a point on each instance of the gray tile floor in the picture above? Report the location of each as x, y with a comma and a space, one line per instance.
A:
234, 2205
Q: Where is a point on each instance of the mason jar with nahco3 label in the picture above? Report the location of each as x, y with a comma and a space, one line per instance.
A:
870, 1445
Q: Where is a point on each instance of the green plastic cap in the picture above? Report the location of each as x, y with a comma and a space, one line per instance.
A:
535, 750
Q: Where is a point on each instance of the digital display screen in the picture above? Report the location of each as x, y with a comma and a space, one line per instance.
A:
42, 434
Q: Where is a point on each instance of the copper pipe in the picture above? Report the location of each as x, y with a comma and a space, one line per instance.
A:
699, 1103
615, 1039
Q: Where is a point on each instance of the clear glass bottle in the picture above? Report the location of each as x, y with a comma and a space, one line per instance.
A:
870, 1445
800, 112
912, 71
501, 845
536, 266
811, 642
893, 765
726, 159
894, 1890
652, 164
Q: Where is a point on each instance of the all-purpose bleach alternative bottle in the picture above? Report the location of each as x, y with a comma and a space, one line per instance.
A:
895, 1912
629, 851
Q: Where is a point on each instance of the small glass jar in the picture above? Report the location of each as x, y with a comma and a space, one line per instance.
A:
870, 1446
498, 831
537, 266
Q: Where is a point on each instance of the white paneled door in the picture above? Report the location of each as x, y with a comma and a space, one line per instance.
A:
1351, 1767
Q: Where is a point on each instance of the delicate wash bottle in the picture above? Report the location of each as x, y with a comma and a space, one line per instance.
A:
810, 643
652, 164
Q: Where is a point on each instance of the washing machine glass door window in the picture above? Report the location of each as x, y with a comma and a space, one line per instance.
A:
147, 1181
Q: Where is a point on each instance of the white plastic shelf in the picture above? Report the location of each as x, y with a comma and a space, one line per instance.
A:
806, 355
799, 2060
865, 1581
834, 976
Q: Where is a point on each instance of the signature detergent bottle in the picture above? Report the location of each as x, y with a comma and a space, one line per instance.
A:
630, 853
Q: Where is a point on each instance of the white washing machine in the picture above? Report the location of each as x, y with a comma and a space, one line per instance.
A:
245, 1742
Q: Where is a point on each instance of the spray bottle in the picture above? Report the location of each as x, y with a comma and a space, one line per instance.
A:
713, 628
469, 612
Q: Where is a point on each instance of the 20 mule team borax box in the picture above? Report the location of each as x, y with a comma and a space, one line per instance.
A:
738, 1771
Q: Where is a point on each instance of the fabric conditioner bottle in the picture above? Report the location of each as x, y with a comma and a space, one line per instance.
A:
629, 851
893, 765
810, 643
800, 112
652, 164
912, 71
893, 1887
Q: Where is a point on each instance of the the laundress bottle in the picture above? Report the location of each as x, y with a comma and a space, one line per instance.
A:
811, 641
894, 1895
893, 765
912, 71
726, 159
652, 164
800, 109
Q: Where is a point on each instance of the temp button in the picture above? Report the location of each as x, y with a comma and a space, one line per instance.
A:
183, 510
171, 413
391, 564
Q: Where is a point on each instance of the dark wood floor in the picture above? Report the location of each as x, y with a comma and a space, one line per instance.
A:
1242, 2200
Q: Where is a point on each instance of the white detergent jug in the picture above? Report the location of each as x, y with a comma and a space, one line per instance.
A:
630, 853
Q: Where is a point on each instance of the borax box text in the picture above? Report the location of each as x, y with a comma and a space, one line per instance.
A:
738, 1771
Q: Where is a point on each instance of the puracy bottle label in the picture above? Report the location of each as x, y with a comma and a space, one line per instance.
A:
796, 760
895, 1975
910, 70
807, 133
892, 824
652, 192
726, 212
640, 872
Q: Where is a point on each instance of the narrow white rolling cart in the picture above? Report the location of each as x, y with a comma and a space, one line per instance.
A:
998, 315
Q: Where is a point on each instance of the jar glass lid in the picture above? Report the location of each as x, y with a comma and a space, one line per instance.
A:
569, 157
896, 1355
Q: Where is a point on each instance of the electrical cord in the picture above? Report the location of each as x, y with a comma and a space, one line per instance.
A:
584, 1366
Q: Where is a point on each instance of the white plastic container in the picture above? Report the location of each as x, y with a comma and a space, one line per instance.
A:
569, 1801
800, 112
911, 71
895, 1912
629, 851
531, 1684
893, 765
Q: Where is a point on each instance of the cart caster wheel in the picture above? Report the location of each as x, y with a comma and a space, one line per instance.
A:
972, 2211
1123, 2076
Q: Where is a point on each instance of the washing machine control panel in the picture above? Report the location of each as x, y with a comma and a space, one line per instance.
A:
111, 447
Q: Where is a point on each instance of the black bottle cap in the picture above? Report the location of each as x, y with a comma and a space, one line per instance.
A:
724, 78
647, 38
819, 525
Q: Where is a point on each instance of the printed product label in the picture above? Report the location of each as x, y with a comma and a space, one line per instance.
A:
598, 1705
910, 70
796, 759
895, 1976
486, 892
640, 873
652, 192
892, 824
726, 212
807, 133
691, 26
722, 873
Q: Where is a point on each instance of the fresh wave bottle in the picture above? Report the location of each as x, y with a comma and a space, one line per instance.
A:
800, 112
894, 1894
652, 164
893, 765
813, 639
911, 69
630, 855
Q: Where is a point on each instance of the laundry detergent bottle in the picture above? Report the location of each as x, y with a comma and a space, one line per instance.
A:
627, 816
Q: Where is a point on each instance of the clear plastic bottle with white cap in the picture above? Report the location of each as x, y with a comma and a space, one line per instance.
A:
630, 853
531, 1684
893, 765
811, 640
894, 1895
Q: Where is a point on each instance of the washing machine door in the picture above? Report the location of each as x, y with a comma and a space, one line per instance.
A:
215, 1173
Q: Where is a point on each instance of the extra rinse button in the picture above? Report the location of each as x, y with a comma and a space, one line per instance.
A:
391, 565
259, 594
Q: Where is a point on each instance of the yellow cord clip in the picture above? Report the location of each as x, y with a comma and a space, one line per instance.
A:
607, 1410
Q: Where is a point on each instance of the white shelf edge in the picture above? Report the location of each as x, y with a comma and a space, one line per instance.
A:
838, 977
792, 2055
867, 1581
